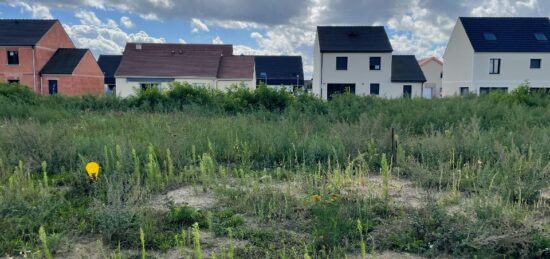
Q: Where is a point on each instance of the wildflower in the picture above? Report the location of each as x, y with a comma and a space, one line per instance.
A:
316, 198
479, 162
92, 169
334, 196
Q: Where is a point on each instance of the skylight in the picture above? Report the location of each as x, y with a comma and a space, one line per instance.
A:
541, 36
489, 36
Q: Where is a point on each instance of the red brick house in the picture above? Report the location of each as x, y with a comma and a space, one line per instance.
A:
29, 46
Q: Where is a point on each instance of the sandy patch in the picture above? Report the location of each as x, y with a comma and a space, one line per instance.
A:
185, 196
386, 255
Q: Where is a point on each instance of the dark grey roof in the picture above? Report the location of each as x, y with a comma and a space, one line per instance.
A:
353, 39
23, 32
280, 70
64, 61
513, 34
405, 68
109, 65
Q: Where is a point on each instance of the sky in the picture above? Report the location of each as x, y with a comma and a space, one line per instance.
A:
261, 27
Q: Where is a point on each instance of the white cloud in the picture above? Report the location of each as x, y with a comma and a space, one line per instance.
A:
197, 25
180, 40
126, 22
217, 40
103, 37
38, 11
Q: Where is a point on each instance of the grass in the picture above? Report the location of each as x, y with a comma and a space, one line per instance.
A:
291, 176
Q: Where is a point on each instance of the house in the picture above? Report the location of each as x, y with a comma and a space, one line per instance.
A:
358, 59
496, 54
432, 68
280, 71
27, 46
72, 72
146, 65
109, 65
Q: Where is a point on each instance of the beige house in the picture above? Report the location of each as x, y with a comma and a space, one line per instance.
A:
433, 71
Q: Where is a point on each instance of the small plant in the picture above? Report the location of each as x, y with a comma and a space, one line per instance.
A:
362, 240
197, 241
142, 240
385, 170
44, 240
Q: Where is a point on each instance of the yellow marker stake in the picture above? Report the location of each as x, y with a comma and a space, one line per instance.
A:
92, 169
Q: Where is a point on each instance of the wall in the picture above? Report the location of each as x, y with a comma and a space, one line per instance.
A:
22, 72
316, 83
458, 64
515, 70
225, 84
358, 72
125, 88
432, 70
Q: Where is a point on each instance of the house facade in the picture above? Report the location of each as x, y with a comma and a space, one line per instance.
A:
497, 54
27, 46
204, 65
109, 64
359, 59
280, 71
432, 68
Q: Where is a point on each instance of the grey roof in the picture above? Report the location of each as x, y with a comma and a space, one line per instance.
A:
353, 39
513, 34
280, 70
15, 32
64, 62
405, 68
109, 65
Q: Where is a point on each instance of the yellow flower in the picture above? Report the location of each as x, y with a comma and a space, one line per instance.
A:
92, 169
316, 198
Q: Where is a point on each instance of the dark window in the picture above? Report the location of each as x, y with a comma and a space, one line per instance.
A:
52, 87
494, 66
375, 63
335, 89
489, 36
486, 90
374, 89
145, 86
13, 57
441, 75
464, 91
13, 81
536, 63
341, 63
541, 36
407, 91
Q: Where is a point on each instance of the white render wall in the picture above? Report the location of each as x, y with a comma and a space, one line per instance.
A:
514, 70
125, 88
432, 70
458, 63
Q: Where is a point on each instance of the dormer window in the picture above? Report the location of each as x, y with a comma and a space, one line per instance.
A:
541, 37
490, 36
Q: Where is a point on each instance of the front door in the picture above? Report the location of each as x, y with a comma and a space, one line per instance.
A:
333, 89
407, 91
52, 87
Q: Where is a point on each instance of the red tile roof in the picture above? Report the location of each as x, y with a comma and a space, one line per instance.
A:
241, 67
173, 60
425, 61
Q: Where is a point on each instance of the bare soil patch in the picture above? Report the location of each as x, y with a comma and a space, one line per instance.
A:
184, 196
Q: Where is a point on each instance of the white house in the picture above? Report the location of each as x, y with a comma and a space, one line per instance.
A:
358, 59
146, 65
488, 54
432, 68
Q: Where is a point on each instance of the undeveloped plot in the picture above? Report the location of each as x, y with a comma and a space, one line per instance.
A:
190, 196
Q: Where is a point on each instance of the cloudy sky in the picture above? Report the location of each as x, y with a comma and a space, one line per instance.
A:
419, 27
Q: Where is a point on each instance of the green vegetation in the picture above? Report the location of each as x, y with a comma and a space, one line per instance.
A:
194, 172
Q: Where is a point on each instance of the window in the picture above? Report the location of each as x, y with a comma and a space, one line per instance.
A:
486, 90
494, 66
13, 82
375, 63
13, 57
407, 91
374, 89
441, 75
464, 91
541, 37
489, 36
536, 63
145, 86
52, 87
341, 63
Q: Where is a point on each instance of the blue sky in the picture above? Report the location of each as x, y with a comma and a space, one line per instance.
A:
283, 27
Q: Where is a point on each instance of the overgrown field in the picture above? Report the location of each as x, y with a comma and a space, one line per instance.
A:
192, 173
